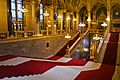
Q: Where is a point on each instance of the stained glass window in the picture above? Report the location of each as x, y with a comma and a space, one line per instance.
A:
13, 9
17, 15
19, 7
41, 16
41, 13
16, 6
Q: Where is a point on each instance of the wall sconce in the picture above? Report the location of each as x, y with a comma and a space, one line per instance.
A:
89, 19
74, 19
59, 17
108, 19
49, 25
68, 18
48, 21
24, 10
46, 13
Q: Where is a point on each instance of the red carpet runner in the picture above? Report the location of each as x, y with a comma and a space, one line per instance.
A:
35, 67
107, 69
111, 51
105, 72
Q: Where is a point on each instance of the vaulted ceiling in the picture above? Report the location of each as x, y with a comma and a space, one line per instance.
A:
76, 5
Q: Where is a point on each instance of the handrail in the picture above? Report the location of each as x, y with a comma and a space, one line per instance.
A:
100, 45
75, 43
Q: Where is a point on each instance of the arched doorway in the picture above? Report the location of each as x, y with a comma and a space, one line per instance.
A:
115, 18
83, 19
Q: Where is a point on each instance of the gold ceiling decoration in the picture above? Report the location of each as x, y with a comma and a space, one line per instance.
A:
76, 5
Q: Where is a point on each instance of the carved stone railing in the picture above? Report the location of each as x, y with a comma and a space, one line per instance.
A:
71, 49
4, 35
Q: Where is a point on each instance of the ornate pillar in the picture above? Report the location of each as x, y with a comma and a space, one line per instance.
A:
49, 18
25, 22
77, 21
68, 22
89, 14
33, 16
108, 14
72, 22
89, 19
37, 18
60, 20
46, 18
94, 22
51, 8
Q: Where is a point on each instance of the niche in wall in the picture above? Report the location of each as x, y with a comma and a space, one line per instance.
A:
47, 44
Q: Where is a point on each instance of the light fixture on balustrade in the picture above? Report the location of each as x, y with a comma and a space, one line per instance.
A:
46, 13
82, 24
88, 19
74, 19
49, 25
85, 49
97, 37
68, 36
68, 18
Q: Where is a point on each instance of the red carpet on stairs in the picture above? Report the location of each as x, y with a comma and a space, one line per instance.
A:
6, 57
111, 50
62, 51
27, 68
105, 72
107, 69
35, 67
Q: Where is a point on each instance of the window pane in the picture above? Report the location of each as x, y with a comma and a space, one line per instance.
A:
12, 0
41, 5
41, 11
13, 13
19, 1
12, 5
20, 15
19, 6
41, 17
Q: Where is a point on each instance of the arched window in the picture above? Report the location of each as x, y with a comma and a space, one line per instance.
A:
116, 13
16, 14
41, 16
55, 17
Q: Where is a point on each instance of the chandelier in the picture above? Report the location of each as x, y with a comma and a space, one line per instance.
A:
97, 37
82, 24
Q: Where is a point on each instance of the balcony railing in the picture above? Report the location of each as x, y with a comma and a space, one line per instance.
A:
19, 34
4, 35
